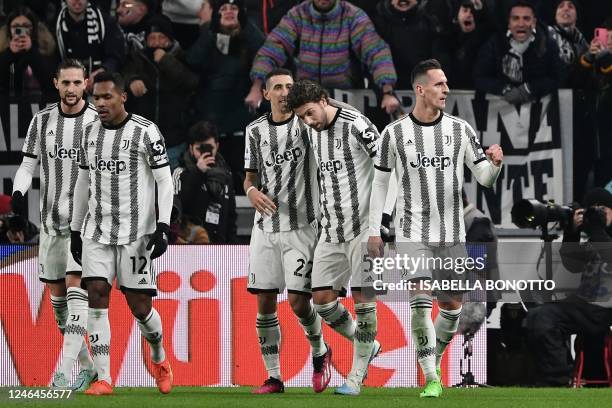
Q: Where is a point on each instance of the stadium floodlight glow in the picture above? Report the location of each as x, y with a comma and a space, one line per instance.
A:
532, 213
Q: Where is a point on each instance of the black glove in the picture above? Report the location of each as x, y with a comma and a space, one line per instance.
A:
159, 240
594, 220
18, 203
76, 246
517, 95
385, 228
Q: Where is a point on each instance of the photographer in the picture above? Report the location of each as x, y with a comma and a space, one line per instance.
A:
588, 312
204, 187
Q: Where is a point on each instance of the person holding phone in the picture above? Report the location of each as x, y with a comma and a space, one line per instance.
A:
598, 60
27, 56
203, 185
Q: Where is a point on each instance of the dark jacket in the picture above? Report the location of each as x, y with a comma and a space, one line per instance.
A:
225, 78
592, 260
463, 51
207, 199
412, 36
542, 70
41, 58
170, 85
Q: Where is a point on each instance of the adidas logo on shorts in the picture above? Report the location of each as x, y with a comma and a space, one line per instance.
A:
143, 281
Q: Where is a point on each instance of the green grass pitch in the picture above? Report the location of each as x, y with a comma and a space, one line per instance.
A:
304, 397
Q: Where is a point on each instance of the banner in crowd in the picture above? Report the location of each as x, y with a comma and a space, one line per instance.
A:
209, 329
536, 139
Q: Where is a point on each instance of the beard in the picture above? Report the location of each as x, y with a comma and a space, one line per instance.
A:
66, 102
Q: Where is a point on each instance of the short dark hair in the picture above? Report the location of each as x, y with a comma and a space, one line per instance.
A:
277, 72
70, 63
305, 91
203, 130
422, 68
114, 77
522, 3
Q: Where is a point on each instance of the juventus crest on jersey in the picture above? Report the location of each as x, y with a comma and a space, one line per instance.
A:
344, 153
54, 138
120, 160
281, 154
428, 159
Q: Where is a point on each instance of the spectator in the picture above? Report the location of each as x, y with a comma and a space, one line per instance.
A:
27, 56
204, 188
412, 35
570, 41
598, 60
329, 41
133, 16
588, 312
14, 229
83, 32
521, 65
184, 15
223, 55
469, 31
45, 10
161, 85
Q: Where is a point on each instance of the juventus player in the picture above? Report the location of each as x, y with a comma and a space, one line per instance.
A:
122, 159
344, 142
53, 138
279, 158
427, 149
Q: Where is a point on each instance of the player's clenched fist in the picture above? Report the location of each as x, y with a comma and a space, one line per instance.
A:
261, 202
495, 154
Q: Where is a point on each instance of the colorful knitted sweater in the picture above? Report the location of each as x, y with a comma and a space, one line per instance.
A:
321, 45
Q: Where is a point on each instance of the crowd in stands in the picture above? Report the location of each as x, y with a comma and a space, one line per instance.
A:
196, 67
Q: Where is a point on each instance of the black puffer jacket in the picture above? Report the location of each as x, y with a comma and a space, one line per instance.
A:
207, 199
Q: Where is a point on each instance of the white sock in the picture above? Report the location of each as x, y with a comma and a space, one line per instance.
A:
312, 328
60, 311
99, 330
446, 325
151, 329
269, 334
424, 334
338, 318
365, 333
75, 331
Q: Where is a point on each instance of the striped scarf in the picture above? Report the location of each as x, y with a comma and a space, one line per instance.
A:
95, 29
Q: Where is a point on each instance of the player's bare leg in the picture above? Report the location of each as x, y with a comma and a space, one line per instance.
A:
150, 325
74, 331
321, 353
98, 327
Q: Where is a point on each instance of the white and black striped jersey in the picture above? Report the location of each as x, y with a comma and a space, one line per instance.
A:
120, 162
344, 153
428, 159
281, 154
54, 137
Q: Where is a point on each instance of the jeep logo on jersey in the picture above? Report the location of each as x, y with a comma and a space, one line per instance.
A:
331, 165
60, 152
114, 166
437, 162
277, 159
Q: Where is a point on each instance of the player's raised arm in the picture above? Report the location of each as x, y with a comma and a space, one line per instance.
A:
485, 167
